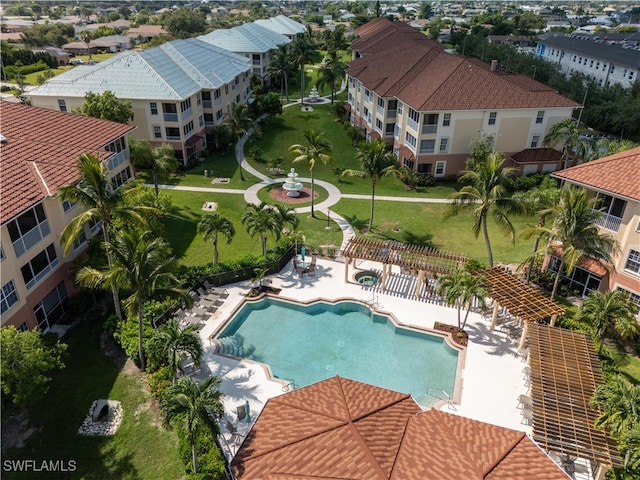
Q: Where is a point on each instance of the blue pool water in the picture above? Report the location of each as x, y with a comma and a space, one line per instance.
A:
311, 343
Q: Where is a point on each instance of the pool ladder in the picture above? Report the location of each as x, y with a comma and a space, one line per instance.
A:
289, 385
447, 397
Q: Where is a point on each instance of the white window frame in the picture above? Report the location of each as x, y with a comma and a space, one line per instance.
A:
441, 165
8, 296
632, 263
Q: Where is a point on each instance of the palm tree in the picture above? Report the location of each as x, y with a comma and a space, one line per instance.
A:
620, 404
569, 134
102, 202
281, 68
261, 220
332, 71
376, 161
86, 38
287, 215
240, 121
213, 224
461, 289
142, 265
222, 136
574, 230
541, 201
193, 407
302, 49
316, 149
171, 342
603, 147
604, 311
485, 194
163, 160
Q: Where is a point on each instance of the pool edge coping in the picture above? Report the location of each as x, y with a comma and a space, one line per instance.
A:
446, 336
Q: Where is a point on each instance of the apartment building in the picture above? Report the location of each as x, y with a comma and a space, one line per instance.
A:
432, 105
606, 62
250, 40
40, 149
615, 182
283, 25
178, 91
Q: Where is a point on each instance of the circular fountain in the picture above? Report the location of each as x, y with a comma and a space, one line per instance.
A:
292, 185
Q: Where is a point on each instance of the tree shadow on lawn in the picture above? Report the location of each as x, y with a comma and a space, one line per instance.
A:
181, 230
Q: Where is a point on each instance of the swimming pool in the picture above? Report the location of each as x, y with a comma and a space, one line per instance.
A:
309, 343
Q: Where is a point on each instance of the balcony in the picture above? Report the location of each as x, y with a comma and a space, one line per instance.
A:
170, 117
609, 222
29, 239
380, 110
187, 113
429, 128
206, 104
117, 159
412, 124
392, 113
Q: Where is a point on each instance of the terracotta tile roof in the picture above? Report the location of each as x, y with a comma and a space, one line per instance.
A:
340, 428
420, 73
616, 174
41, 151
537, 155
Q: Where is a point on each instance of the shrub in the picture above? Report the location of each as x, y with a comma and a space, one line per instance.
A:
159, 382
211, 462
126, 335
413, 179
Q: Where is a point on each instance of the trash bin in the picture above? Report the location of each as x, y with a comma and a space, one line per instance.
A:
206, 173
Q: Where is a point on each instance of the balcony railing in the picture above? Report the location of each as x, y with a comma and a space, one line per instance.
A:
380, 110
117, 159
392, 113
187, 113
29, 239
170, 117
609, 222
429, 128
206, 104
412, 124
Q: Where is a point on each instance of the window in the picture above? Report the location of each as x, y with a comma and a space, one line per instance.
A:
378, 125
206, 99
366, 114
634, 297
154, 108
388, 129
216, 94
430, 123
400, 108
410, 140
185, 105
219, 114
28, 229
633, 261
208, 118
36, 269
540, 116
367, 95
67, 205
396, 132
381, 102
440, 168
237, 98
8, 296
199, 99
52, 307
2, 257
157, 132
62, 105
201, 121
446, 120
534, 141
444, 144
425, 168
121, 177
427, 146
613, 210
170, 112
492, 118
414, 118
79, 241
173, 133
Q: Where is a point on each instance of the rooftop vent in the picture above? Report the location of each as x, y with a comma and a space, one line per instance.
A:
3, 139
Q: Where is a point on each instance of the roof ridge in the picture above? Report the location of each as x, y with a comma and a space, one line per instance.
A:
153, 70
367, 451
439, 417
500, 458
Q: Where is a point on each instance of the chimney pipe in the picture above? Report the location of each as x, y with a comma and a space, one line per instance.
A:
494, 65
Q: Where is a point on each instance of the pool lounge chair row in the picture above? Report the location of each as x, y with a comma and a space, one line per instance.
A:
205, 302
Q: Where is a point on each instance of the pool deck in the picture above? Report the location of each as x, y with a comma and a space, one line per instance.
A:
492, 377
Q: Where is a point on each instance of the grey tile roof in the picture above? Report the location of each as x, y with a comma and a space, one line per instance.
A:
246, 38
282, 24
172, 71
627, 57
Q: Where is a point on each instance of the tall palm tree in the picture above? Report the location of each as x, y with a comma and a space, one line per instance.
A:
574, 229
194, 407
281, 68
317, 149
262, 220
287, 215
375, 161
102, 202
171, 342
213, 224
461, 289
86, 38
222, 136
142, 265
603, 147
332, 71
606, 311
240, 121
164, 161
539, 201
485, 195
569, 134
301, 50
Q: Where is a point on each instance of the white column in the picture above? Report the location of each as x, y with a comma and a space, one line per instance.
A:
494, 317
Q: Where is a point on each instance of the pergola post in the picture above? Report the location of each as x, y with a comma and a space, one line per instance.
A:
419, 283
346, 270
554, 317
523, 338
384, 277
494, 316
600, 472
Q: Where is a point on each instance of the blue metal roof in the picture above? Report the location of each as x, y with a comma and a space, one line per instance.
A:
247, 38
282, 24
172, 71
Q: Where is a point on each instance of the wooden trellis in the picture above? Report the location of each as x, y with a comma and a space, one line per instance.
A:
565, 372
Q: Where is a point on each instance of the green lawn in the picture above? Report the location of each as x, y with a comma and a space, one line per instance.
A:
422, 223
141, 448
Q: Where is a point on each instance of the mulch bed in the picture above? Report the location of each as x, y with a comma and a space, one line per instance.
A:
280, 195
256, 291
459, 337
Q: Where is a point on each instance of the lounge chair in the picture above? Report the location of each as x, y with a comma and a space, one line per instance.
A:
311, 269
235, 436
242, 412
